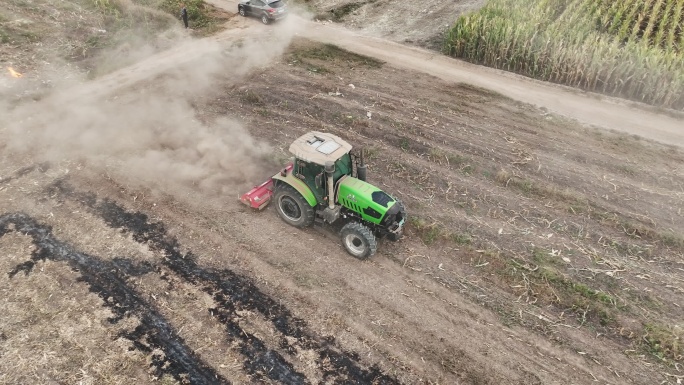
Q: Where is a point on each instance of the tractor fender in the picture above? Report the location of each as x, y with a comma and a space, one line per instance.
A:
298, 185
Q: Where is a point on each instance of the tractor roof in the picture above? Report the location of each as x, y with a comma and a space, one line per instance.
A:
319, 147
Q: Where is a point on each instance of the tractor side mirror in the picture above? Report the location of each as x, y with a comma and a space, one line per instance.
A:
319, 180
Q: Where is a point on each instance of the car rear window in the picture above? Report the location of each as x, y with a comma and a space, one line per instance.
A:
276, 4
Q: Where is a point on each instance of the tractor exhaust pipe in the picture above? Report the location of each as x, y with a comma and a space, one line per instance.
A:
329, 170
361, 167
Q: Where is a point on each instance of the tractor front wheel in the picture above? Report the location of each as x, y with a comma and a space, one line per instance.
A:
358, 240
292, 207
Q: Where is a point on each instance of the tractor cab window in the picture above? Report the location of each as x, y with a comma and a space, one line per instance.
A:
308, 169
312, 174
343, 166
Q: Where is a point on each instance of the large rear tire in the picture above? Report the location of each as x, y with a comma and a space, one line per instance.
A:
292, 207
358, 240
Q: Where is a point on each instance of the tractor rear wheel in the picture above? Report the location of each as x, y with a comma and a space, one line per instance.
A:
292, 207
358, 240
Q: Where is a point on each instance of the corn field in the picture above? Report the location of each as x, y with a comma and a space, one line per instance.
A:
632, 49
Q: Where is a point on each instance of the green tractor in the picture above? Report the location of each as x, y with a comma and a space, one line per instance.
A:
327, 181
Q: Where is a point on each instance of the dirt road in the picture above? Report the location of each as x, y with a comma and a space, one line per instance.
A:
593, 109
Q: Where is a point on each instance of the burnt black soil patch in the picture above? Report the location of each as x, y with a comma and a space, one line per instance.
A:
233, 292
42, 167
109, 281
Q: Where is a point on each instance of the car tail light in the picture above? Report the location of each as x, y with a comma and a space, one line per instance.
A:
271, 10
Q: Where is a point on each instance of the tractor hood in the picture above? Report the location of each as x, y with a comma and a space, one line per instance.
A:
362, 197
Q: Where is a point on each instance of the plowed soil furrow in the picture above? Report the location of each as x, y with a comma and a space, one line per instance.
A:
234, 292
504, 190
109, 282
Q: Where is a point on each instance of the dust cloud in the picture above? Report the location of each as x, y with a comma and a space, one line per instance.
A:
138, 124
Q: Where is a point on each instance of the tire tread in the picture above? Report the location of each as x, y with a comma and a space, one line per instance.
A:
365, 232
307, 211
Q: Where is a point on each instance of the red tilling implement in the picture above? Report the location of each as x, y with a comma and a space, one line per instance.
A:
259, 196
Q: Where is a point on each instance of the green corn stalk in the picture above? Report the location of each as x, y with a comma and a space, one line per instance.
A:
652, 20
659, 39
628, 21
677, 21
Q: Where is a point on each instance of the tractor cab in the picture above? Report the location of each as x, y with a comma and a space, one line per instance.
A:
315, 150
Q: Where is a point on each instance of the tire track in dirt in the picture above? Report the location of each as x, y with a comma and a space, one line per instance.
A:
233, 292
109, 281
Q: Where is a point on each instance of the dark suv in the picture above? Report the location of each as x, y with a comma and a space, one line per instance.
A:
266, 10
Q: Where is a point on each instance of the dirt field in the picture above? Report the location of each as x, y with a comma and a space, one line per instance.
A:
539, 251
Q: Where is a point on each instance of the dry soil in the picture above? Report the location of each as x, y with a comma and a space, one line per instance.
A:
540, 249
